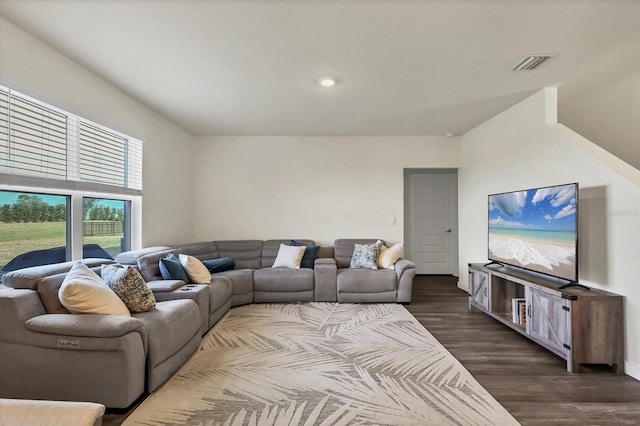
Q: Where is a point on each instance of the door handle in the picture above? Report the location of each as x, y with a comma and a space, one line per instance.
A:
448, 230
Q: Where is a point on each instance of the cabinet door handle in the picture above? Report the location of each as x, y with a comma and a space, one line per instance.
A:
485, 292
529, 311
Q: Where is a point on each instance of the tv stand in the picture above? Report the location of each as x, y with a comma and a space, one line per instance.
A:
580, 324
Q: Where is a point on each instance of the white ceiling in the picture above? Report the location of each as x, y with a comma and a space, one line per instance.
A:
403, 67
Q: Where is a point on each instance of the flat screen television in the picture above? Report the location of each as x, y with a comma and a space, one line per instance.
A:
536, 229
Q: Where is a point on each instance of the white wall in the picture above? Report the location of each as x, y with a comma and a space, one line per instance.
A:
32, 67
603, 103
524, 147
321, 188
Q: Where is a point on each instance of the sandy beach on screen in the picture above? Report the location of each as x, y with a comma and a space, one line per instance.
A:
549, 257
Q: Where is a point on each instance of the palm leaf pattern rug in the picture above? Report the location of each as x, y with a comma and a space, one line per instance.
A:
321, 364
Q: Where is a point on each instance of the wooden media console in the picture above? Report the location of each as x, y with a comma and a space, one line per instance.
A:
582, 325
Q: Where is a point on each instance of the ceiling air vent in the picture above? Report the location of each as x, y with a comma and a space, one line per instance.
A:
531, 62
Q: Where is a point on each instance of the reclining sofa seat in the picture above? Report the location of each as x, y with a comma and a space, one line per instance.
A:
369, 285
48, 353
281, 285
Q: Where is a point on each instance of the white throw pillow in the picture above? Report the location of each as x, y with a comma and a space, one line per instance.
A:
389, 256
84, 292
198, 273
289, 257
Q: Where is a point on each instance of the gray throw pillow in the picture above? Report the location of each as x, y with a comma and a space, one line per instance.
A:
129, 285
365, 256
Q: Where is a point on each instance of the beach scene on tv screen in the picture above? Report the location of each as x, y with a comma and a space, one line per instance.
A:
535, 229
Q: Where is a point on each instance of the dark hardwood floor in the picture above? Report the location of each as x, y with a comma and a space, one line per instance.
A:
529, 381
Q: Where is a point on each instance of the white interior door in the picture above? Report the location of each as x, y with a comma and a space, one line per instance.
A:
432, 236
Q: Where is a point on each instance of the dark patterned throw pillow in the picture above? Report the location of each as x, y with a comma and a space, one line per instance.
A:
129, 285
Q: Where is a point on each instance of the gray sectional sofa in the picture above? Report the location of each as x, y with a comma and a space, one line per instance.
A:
47, 353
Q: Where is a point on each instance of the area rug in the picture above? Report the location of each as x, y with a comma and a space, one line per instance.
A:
321, 364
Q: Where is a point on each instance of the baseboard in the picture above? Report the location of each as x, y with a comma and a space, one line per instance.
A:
462, 286
632, 369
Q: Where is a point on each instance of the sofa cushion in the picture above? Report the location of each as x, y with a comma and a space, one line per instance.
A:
28, 277
171, 269
270, 250
197, 272
242, 280
131, 257
129, 285
246, 253
220, 291
283, 280
310, 253
366, 280
84, 292
343, 250
365, 256
325, 252
389, 256
289, 257
48, 291
170, 327
202, 250
149, 265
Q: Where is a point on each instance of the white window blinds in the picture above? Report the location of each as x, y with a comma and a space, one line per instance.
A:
42, 141
109, 158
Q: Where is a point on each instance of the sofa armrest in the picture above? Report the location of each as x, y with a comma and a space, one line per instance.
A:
403, 265
406, 271
324, 261
164, 286
325, 280
85, 325
81, 332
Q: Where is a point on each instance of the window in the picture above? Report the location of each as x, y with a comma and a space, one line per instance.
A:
105, 227
33, 229
68, 186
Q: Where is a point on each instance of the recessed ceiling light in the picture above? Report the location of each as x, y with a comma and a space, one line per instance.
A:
449, 135
327, 81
